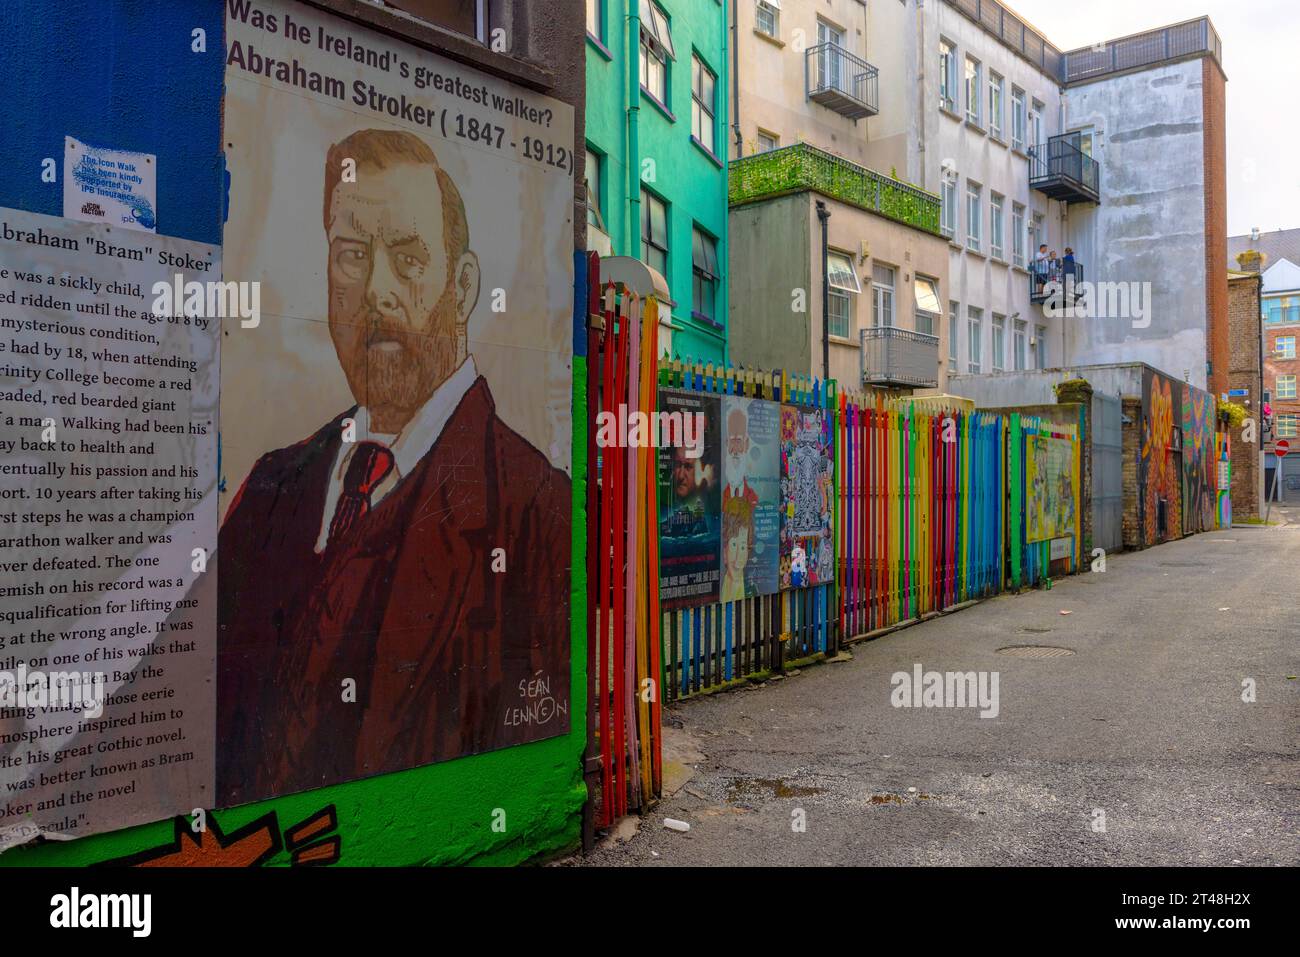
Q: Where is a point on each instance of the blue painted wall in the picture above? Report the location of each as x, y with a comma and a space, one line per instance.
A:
119, 75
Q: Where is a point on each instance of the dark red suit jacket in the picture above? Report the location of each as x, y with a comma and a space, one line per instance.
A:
448, 656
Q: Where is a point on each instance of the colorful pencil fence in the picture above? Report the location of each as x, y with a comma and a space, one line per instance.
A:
929, 512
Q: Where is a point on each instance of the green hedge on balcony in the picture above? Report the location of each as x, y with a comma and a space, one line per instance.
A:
804, 167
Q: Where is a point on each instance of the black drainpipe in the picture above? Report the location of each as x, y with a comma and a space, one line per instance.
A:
824, 216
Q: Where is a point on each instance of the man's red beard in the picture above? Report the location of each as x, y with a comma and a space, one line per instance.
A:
393, 370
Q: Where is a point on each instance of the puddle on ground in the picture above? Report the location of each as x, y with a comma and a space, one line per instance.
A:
760, 787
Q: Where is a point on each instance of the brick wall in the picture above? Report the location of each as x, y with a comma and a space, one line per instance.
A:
1216, 225
1274, 367
1131, 407
1243, 373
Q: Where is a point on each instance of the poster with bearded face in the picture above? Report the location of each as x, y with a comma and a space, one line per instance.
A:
394, 554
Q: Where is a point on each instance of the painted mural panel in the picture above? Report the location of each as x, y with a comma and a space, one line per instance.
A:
1159, 479
1049, 488
807, 497
690, 503
751, 525
1200, 478
394, 558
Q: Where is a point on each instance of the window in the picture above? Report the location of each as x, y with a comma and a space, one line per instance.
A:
948, 206
1286, 426
996, 205
1036, 125
768, 141
654, 233
928, 308
1019, 119
703, 89
882, 295
999, 341
973, 93
769, 17
954, 310
974, 330
1017, 234
831, 66
592, 173
973, 216
1040, 347
596, 18
464, 16
1285, 387
844, 287
1284, 347
997, 89
947, 76
1018, 346
1037, 235
704, 269
656, 51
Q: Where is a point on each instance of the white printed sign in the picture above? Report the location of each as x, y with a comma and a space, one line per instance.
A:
110, 186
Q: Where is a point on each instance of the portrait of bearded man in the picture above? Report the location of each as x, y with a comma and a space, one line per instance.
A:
394, 586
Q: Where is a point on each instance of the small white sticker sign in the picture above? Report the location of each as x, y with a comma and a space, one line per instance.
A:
116, 187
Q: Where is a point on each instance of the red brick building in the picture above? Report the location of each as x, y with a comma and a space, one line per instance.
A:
1244, 374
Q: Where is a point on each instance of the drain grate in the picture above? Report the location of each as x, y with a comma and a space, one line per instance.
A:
1035, 651
1035, 631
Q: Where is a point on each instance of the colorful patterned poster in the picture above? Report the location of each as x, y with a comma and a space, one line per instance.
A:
751, 526
807, 496
1049, 488
690, 500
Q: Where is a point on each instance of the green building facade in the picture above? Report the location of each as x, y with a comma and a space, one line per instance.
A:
657, 143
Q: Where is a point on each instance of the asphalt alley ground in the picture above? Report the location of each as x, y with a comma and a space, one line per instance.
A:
1144, 722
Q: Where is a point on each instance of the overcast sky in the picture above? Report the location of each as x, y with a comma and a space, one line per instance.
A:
1261, 56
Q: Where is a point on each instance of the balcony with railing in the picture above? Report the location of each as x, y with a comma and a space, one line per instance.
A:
1061, 169
801, 166
841, 81
899, 358
1050, 278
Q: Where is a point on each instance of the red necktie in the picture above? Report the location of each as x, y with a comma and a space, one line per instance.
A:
370, 463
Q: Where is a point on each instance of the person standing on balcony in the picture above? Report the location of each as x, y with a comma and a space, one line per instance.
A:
1040, 267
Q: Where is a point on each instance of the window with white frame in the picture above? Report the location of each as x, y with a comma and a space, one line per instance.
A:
928, 308
592, 174
1036, 124
948, 206
1018, 345
844, 289
1284, 347
831, 65
768, 141
1285, 387
999, 341
882, 295
656, 50
997, 90
769, 17
1040, 347
596, 18
654, 232
974, 95
1037, 235
1017, 234
1019, 118
974, 332
954, 321
997, 206
1287, 426
705, 275
704, 123
947, 76
974, 216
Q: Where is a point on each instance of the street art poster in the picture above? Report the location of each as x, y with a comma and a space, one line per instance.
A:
108, 513
1159, 482
751, 491
394, 548
690, 503
807, 497
1049, 488
1200, 470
